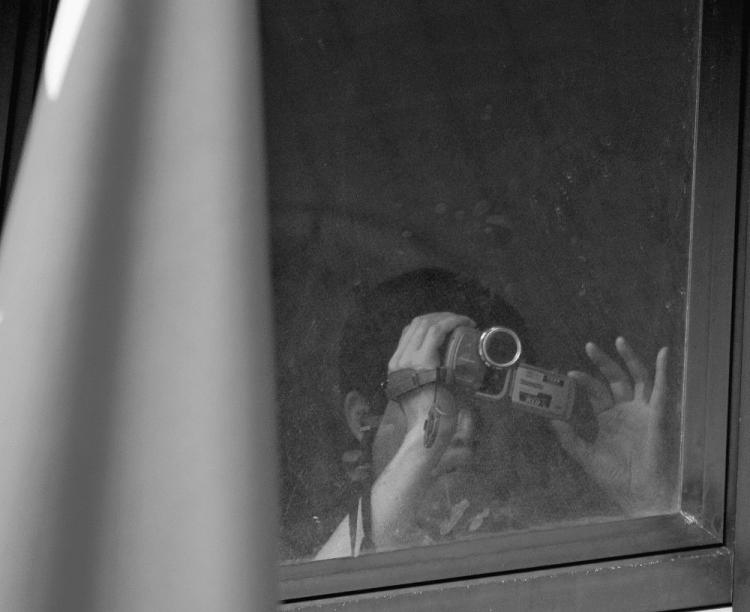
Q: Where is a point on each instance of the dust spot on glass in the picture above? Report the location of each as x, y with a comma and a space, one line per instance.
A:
481, 208
457, 511
502, 232
406, 234
351, 456
318, 524
441, 208
459, 214
477, 521
497, 220
559, 213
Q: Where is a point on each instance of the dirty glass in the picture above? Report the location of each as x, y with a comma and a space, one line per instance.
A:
538, 155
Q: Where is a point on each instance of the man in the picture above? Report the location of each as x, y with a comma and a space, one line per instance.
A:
489, 465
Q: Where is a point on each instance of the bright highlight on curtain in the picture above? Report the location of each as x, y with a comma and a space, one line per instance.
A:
136, 426
70, 15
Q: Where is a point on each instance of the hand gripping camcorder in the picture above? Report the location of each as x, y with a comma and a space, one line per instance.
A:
488, 363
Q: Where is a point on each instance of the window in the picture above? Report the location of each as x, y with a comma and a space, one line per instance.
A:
577, 162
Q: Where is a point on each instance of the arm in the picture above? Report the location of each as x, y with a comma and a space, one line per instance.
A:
405, 474
394, 495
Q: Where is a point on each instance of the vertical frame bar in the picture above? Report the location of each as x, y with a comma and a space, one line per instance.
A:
738, 495
708, 333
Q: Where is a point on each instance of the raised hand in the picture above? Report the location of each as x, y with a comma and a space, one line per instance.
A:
419, 349
625, 456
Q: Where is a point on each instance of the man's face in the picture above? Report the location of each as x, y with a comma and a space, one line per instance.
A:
476, 454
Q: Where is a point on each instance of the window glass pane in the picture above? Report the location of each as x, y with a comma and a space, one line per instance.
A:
527, 164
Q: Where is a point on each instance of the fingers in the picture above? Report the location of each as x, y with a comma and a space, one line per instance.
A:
422, 338
619, 381
403, 342
599, 395
638, 372
636, 383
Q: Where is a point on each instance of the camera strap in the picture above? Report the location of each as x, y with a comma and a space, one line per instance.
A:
367, 543
362, 501
402, 382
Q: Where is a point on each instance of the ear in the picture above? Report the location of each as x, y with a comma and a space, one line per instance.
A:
356, 407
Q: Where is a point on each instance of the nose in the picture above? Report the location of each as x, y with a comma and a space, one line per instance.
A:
464, 435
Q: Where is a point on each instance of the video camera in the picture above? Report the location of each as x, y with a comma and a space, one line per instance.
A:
487, 363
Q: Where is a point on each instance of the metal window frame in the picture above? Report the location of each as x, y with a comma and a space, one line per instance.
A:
738, 493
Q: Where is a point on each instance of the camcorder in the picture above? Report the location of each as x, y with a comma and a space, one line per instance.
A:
488, 363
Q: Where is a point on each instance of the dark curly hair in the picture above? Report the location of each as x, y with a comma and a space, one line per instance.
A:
373, 328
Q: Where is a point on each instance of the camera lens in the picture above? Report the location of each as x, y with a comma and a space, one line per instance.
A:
499, 347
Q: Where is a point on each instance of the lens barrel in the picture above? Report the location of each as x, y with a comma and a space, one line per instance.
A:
499, 347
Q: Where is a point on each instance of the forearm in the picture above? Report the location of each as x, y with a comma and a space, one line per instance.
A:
397, 491
394, 496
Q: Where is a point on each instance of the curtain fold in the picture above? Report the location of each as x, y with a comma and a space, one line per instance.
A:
137, 454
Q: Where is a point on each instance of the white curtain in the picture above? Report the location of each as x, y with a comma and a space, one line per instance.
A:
137, 456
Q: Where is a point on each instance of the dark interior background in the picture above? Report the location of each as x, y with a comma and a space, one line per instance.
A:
25, 26
543, 147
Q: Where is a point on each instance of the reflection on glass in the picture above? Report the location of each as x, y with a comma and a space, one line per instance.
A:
524, 165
